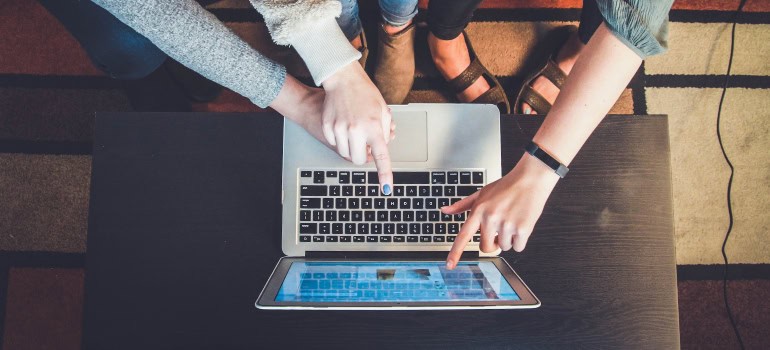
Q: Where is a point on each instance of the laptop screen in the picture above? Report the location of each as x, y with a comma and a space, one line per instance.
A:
357, 281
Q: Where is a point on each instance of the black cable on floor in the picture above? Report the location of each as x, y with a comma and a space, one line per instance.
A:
732, 172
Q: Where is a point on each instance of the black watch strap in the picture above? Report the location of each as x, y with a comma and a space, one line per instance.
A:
537, 152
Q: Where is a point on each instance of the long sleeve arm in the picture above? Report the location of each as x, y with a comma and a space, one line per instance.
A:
191, 35
310, 27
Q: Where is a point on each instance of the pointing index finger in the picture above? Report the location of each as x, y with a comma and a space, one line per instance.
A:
381, 156
471, 225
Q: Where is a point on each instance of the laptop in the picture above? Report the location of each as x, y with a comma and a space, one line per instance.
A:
350, 247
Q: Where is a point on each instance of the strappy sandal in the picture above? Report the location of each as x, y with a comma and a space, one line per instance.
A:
495, 95
550, 70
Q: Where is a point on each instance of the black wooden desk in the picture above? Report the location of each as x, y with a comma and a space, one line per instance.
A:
184, 230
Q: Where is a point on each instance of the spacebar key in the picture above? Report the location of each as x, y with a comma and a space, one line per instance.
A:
411, 177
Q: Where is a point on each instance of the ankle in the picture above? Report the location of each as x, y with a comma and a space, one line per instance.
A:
393, 30
357, 43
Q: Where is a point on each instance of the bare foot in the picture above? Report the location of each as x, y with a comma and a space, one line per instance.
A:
565, 59
451, 57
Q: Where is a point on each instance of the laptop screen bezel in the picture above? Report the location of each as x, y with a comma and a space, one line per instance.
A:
266, 299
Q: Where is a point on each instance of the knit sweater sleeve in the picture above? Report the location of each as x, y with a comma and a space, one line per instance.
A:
310, 27
193, 36
640, 24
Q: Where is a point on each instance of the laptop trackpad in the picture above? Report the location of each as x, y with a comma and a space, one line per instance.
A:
411, 142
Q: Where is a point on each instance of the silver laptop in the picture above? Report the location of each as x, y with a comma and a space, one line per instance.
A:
348, 246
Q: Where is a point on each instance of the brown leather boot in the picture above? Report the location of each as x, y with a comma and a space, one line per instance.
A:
394, 73
364, 50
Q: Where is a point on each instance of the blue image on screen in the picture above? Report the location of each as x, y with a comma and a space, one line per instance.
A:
394, 282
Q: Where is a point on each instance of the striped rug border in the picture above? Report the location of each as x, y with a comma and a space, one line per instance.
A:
246, 15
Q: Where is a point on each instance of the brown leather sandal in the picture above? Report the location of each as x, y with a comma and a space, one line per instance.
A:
550, 70
495, 95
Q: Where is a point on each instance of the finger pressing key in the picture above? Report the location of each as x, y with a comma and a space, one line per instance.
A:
381, 156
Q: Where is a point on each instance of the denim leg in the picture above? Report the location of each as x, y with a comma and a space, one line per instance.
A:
447, 19
114, 47
398, 12
348, 20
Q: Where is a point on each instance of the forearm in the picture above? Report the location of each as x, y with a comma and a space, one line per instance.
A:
194, 37
599, 76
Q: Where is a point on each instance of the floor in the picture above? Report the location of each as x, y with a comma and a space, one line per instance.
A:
49, 91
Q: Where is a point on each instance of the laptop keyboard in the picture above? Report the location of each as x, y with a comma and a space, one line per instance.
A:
341, 206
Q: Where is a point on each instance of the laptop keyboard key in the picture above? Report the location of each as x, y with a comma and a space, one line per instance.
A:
418, 203
363, 229
318, 238
372, 191
304, 239
449, 191
310, 203
370, 215
337, 228
478, 178
328, 203
332, 239
402, 229
411, 191
385, 239
304, 215
366, 203
318, 215
345, 239
308, 228
398, 239
371, 238
412, 239
318, 177
359, 177
465, 191
424, 239
389, 229
373, 178
465, 177
358, 239
306, 173
452, 177
438, 177
347, 191
331, 215
344, 215
344, 177
395, 216
341, 203
360, 191
312, 190
324, 228
407, 215
398, 191
414, 229
353, 203
356, 215
350, 229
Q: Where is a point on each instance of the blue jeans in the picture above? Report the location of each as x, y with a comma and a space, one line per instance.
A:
114, 47
394, 12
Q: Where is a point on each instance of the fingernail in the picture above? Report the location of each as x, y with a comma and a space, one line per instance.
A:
386, 189
449, 264
527, 110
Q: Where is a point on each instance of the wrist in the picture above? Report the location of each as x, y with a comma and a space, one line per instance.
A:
540, 174
290, 101
343, 76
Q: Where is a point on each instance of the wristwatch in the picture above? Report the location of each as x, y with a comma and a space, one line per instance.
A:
537, 152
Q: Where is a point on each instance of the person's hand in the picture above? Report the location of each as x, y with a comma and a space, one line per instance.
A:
506, 210
357, 121
303, 105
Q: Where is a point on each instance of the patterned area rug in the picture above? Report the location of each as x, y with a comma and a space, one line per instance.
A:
49, 91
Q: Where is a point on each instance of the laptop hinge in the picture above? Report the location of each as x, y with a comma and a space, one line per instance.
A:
345, 255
